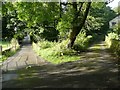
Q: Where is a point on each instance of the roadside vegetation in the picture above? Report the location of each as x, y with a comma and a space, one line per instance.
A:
8, 49
59, 31
113, 40
5, 45
57, 52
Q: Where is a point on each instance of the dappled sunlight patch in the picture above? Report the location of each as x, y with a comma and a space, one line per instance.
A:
91, 70
91, 54
90, 58
54, 72
75, 71
114, 70
104, 61
83, 68
107, 55
95, 47
71, 73
101, 58
98, 46
70, 68
96, 67
26, 76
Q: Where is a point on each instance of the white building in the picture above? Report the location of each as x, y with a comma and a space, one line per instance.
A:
114, 21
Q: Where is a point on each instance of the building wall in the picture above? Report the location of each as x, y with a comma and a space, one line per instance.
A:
114, 21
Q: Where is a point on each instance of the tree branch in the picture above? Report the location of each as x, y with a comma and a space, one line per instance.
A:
78, 13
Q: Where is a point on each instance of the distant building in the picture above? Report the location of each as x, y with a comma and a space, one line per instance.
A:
114, 21
109, 1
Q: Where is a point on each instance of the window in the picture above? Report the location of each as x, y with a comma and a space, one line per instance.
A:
113, 23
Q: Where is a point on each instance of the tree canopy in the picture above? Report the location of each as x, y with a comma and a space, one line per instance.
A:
54, 20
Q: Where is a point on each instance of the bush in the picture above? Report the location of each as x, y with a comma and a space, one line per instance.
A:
116, 28
82, 42
11, 51
115, 47
15, 44
19, 36
34, 38
46, 44
7, 54
57, 49
63, 27
113, 36
3, 58
56, 52
50, 34
110, 37
61, 49
113, 43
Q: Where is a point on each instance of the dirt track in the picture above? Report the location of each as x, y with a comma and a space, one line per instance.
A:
96, 69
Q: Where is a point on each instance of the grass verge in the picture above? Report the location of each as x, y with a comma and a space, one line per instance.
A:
47, 54
7, 51
56, 54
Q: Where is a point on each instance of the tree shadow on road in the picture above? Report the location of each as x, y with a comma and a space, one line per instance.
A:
75, 74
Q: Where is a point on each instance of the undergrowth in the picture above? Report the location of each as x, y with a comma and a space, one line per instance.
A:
57, 52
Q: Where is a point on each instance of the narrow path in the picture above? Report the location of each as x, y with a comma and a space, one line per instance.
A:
99, 53
26, 57
96, 69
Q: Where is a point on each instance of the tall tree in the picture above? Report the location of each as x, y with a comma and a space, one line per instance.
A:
78, 21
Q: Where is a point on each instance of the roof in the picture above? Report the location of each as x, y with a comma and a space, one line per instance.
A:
116, 18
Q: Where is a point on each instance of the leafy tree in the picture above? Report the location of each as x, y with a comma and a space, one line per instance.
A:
7, 24
42, 20
102, 14
78, 22
39, 15
11, 26
116, 28
117, 9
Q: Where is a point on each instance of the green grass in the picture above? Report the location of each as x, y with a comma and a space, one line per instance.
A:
57, 54
4, 42
5, 45
56, 59
7, 54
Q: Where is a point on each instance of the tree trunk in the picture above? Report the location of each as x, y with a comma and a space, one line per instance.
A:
77, 27
60, 9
